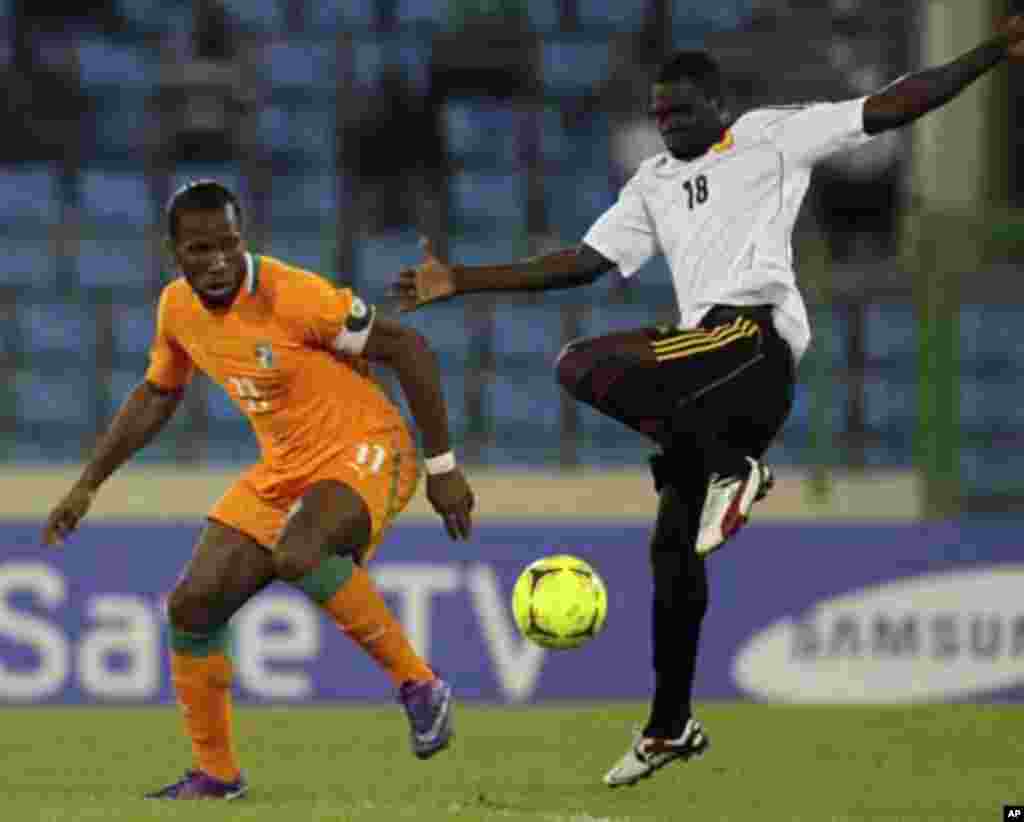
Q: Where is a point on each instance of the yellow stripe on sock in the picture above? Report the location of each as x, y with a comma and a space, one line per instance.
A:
746, 330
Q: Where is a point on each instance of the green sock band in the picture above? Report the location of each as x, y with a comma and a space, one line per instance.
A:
328, 578
185, 642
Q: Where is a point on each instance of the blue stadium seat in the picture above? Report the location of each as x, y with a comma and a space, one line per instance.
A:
123, 197
621, 14
482, 129
305, 66
133, 326
890, 405
62, 330
485, 195
987, 404
533, 330
444, 326
162, 15
66, 398
835, 402
499, 248
574, 67
107, 64
301, 129
606, 317
219, 405
525, 403
555, 143
990, 335
337, 14
263, 15
543, 14
371, 56
29, 193
380, 257
115, 260
890, 331
412, 12
117, 121
309, 249
27, 259
306, 196
575, 201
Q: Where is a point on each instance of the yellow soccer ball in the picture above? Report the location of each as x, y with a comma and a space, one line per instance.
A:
559, 602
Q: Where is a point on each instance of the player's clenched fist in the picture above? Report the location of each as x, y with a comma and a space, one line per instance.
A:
452, 498
66, 516
431, 280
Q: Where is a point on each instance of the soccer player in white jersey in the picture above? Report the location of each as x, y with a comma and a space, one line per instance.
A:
714, 390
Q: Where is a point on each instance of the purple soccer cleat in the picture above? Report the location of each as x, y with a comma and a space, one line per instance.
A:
198, 785
428, 705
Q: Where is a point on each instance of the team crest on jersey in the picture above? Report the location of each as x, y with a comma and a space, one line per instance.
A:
265, 355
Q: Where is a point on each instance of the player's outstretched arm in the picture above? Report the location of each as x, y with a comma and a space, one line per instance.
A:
407, 353
435, 279
144, 412
916, 94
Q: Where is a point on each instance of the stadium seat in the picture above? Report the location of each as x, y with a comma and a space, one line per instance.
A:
117, 120
106, 64
161, 15
133, 327
44, 398
107, 259
332, 15
574, 67
379, 257
62, 331
117, 196
543, 14
444, 326
575, 201
622, 15
890, 405
524, 404
312, 249
370, 56
990, 337
413, 12
303, 197
482, 131
219, 406
530, 330
29, 193
487, 196
988, 405
497, 248
306, 66
27, 260
262, 15
890, 332
607, 316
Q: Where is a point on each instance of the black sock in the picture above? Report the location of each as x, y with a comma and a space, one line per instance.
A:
680, 601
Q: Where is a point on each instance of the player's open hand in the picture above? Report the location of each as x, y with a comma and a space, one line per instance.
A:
431, 280
452, 498
68, 513
1013, 28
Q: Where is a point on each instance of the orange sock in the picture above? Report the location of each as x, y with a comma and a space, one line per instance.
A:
203, 686
361, 612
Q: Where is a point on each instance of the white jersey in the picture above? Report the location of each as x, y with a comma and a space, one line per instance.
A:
725, 220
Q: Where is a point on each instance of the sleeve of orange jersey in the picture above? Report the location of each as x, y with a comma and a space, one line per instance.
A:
328, 317
169, 365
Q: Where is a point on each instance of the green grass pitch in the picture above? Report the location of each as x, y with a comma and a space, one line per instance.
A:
537, 764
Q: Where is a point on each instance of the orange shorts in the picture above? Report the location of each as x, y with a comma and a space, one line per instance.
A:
381, 466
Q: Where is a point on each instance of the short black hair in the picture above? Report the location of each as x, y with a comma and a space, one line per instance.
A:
699, 67
200, 195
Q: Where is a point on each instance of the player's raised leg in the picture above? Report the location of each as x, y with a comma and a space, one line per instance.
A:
227, 568
316, 553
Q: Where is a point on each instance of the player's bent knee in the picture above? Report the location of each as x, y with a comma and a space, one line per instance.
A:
573, 364
192, 610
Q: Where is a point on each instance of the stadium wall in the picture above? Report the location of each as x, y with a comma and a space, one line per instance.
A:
879, 608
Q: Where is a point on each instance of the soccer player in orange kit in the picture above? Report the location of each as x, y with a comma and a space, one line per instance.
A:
338, 463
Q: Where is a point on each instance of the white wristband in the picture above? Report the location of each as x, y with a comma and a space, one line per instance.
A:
441, 464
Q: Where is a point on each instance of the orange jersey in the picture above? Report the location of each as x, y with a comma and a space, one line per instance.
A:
281, 351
